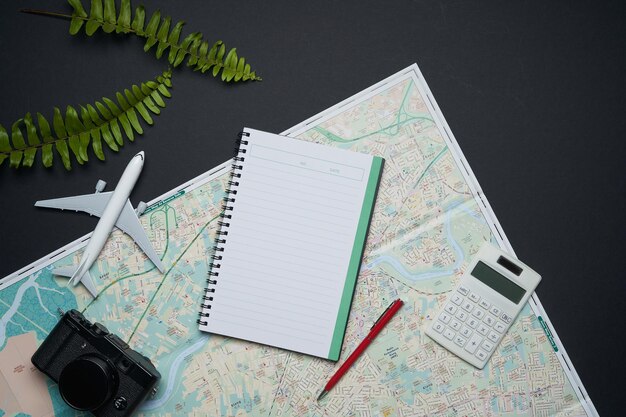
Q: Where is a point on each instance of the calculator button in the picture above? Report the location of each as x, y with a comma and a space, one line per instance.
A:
481, 354
450, 308
461, 315
472, 322
463, 290
490, 320
444, 317
466, 331
456, 299
487, 345
448, 333
500, 327
506, 318
493, 336
482, 329
473, 343
467, 306
474, 297
484, 304
495, 311
460, 340
438, 327
479, 313
455, 324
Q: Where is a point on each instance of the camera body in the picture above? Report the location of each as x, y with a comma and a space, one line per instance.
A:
96, 371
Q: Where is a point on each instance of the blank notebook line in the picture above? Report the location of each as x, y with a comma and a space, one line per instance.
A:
338, 184
311, 249
251, 326
277, 210
277, 231
306, 303
302, 196
311, 191
303, 240
297, 222
297, 203
310, 315
289, 254
325, 173
275, 314
286, 305
284, 283
269, 325
316, 267
313, 278
309, 184
299, 217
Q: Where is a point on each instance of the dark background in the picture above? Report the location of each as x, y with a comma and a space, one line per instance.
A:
534, 92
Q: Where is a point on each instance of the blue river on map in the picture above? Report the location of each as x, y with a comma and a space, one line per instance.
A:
423, 276
39, 282
172, 373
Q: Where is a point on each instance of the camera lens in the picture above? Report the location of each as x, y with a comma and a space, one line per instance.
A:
86, 383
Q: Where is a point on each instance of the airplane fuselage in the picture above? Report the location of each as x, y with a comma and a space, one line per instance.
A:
111, 213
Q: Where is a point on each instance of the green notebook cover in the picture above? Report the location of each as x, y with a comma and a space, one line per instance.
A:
355, 258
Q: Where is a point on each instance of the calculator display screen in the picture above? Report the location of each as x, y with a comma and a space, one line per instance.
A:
498, 282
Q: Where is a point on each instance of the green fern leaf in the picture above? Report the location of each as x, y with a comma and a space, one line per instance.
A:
44, 128
4, 141
138, 20
95, 19
124, 19
29, 157
15, 158
5, 146
46, 155
151, 30
31, 131
78, 17
61, 146
75, 130
159, 31
16, 135
110, 20
57, 123
162, 36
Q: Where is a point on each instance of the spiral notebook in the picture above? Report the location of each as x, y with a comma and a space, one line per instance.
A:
290, 243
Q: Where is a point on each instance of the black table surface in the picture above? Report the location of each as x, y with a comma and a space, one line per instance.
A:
534, 92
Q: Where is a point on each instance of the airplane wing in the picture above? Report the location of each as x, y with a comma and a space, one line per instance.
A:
128, 222
86, 280
93, 204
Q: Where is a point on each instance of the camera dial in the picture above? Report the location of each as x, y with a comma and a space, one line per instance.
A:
87, 382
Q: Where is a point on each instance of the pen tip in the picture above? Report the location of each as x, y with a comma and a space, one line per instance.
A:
322, 395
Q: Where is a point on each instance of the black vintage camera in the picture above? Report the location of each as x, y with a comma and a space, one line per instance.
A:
95, 370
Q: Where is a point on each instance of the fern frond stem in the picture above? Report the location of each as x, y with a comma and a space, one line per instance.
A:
47, 13
127, 29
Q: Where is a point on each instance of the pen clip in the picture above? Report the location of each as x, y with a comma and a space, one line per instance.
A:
381, 316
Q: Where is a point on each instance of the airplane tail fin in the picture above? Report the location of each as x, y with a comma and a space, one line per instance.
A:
77, 274
65, 271
80, 271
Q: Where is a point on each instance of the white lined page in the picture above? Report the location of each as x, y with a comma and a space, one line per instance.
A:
287, 252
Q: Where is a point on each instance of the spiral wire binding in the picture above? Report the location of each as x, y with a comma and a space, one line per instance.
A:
223, 223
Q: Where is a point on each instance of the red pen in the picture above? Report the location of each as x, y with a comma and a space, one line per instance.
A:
376, 328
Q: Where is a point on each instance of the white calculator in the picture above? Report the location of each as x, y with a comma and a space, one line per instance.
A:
479, 312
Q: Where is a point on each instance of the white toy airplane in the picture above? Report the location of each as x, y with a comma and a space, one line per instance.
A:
114, 209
